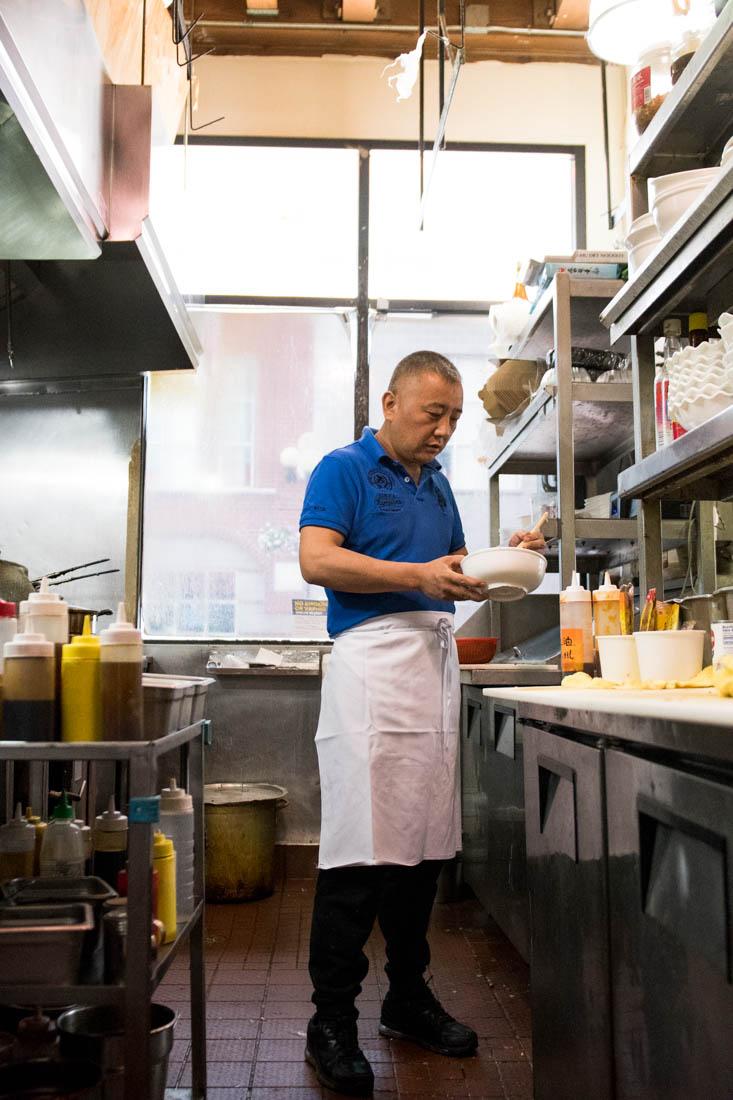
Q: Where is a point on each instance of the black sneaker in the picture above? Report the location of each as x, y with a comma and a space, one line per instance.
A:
332, 1048
423, 1020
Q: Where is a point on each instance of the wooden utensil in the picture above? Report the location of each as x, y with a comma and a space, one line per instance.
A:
537, 529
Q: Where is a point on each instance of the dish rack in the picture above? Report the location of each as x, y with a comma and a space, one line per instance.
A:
135, 766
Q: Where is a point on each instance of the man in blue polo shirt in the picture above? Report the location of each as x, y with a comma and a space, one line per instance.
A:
380, 530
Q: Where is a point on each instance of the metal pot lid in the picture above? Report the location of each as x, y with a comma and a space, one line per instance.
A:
231, 794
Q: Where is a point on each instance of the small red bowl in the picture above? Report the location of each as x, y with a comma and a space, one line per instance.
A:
476, 651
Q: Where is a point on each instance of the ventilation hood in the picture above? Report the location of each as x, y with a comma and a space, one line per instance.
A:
87, 291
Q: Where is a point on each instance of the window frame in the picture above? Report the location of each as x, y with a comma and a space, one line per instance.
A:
362, 303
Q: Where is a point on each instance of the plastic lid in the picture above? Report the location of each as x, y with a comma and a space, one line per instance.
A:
18, 824
162, 846
64, 811
45, 602
82, 647
607, 586
174, 799
111, 821
575, 590
28, 645
7, 610
672, 327
121, 632
698, 321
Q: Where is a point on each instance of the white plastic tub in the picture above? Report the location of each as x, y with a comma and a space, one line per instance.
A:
669, 654
162, 702
619, 662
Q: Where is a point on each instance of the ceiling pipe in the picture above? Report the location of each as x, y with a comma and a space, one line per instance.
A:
515, 32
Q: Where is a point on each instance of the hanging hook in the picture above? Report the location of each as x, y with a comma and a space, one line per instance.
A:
205, 125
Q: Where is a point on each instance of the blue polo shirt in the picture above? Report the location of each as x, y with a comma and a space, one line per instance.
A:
374, 503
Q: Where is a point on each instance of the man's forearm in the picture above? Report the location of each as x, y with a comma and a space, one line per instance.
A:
346, 571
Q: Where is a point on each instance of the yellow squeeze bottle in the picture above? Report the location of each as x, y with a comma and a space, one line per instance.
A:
164, 862
81, 699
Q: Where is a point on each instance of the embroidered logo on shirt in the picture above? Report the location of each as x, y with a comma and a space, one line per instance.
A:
380, 479
388, 502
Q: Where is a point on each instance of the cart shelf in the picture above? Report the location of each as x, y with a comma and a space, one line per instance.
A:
587, 298
694, 121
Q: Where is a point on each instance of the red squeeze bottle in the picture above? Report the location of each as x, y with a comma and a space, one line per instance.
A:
122, 888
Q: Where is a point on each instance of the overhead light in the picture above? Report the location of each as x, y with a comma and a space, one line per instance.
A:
358, 11
620, 30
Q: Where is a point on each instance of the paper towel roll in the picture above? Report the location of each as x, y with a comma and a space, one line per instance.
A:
359, 11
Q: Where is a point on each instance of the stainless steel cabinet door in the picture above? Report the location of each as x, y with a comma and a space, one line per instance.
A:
473, 788
670, 847
566, 876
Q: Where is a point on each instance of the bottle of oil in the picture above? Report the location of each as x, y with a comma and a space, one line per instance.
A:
48, 614
576, 628
109, 841
81, 700
121, 677
29, 689
606, 613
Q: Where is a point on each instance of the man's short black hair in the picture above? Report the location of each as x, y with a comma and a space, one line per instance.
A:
424, 362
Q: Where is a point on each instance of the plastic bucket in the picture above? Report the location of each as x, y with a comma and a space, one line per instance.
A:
240, 839
96, 1033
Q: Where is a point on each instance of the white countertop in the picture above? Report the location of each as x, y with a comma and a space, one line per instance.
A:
696, 705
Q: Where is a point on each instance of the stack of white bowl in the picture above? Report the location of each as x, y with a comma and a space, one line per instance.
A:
643, 239
700, 383
671, 196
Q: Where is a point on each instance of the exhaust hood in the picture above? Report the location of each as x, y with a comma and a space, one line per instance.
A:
87, 291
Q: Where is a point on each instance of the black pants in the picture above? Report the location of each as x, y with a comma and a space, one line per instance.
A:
348, 901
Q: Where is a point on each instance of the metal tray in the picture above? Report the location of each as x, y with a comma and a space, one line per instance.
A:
42, 944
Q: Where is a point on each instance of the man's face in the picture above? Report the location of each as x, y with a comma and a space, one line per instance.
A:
422, 415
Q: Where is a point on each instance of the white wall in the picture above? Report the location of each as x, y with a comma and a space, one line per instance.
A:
345, 97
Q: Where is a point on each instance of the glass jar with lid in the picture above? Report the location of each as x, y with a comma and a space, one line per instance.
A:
651, 80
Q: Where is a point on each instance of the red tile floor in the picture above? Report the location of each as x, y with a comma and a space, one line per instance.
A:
258, 1006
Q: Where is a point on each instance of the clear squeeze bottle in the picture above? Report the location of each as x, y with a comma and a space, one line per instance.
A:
606, 613
109, 841
81, 699
17, 846
176, 822
122, 680
29, 689
63, 851
576, 628
48, 614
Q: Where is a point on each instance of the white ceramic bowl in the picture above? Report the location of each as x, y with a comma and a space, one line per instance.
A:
618, 658
727, 156
509, 572
669, 654
670, 196
639, 253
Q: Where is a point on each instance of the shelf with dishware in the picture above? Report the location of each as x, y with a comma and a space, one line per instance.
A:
587, 297
136, 765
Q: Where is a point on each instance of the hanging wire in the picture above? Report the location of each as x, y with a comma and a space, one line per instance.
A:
181, 36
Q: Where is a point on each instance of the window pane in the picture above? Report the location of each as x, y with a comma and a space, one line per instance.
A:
220, 554
485, 212
260, 221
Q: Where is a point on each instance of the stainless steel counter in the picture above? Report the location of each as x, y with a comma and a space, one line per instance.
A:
519, 674
694, 723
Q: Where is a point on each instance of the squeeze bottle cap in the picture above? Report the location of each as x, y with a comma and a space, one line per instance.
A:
575, 591
28, 645
174, 799
64, 811
82, 647
18, 822
162, 846
111, 821
607, 586
698, 321
7, 610
45, 602
672, 327
121, 632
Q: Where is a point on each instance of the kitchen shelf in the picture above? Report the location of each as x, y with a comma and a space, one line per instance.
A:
139, 759
692, 259
603, 422
694, 122
698, 466
587, 299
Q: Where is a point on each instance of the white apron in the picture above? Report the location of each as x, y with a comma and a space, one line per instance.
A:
388, 741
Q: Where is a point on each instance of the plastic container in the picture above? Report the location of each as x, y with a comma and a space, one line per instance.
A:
651, 80
17, 847
162, 705
8, 626
722, 635
240, 839
576, 628
109, 844
164, 862
29, 689
63, 851
81, 700
121, 680
176, 822
619, 662
669, 654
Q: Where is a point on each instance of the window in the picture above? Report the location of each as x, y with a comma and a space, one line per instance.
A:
265, 239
